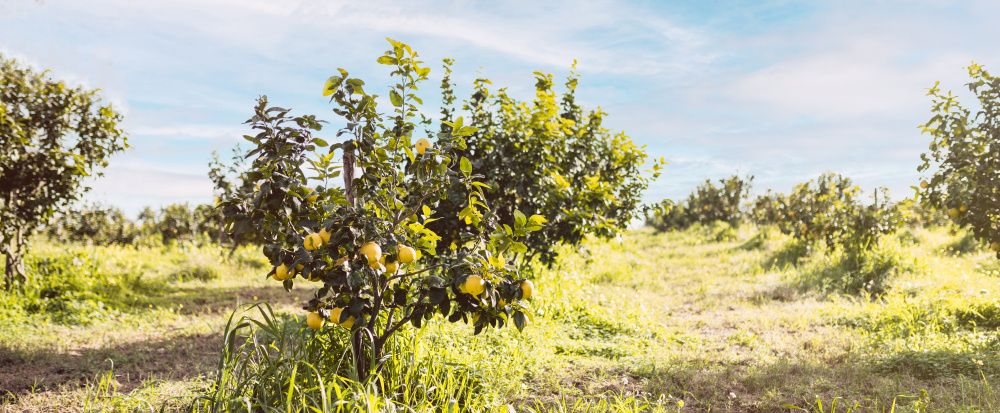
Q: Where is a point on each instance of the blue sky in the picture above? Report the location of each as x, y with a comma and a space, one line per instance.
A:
784, 90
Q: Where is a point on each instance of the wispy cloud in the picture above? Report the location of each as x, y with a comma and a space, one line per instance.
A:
780, 89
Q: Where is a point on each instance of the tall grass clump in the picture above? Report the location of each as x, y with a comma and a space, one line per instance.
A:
275, 363
858, 271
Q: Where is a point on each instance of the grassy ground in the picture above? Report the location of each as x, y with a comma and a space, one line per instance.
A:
707, 319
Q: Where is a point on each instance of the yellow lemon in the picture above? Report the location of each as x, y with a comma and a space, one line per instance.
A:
312, 242
376, 266
314, 320
473, 285
299, 267
422, 145
371, 250
924, 184
995, 246
953, 212
963, 208
335, 317
325, 235
527, 289
311, 198
281, 273
391, 267
407, 255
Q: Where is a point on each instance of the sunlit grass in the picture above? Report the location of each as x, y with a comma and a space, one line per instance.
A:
718, 318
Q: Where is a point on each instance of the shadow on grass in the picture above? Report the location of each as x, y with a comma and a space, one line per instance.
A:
753, 387
180, 357
173, 357
707, 384
789, 254
965, 245
215, 300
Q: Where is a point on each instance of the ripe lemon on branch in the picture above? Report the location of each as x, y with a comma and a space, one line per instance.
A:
474, 285
314, 320
312, 242
422, 145
390, 268
281, 273
335, 318
527, 289
407, 254
371, 250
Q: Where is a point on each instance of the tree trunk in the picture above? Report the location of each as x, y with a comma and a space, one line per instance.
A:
358, 339
349, 162
15, 261
360, 355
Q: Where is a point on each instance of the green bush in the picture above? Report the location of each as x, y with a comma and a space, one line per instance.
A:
707, 204
199, 272
93, 223
70, 288
179, 222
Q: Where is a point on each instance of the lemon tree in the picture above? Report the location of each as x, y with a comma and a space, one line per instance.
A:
830, 209
366, 244
549, 157
962, 165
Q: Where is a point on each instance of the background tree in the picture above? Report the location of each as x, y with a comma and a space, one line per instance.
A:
230, 182
548, 157
964, 158
93, 223
52, 137
706, 204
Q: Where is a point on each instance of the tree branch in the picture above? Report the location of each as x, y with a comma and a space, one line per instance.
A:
415, 272
409, 214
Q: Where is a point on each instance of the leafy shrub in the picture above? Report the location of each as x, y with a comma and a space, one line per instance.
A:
199, 272
278, 354
829, 209
858, 272
707, 204
179, 222
916, 214
71, 289
94, 223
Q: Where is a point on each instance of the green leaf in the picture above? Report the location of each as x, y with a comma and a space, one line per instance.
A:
331, 85
465, 166
395, 98
518, 247
387, 60
519, 219
519, 320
